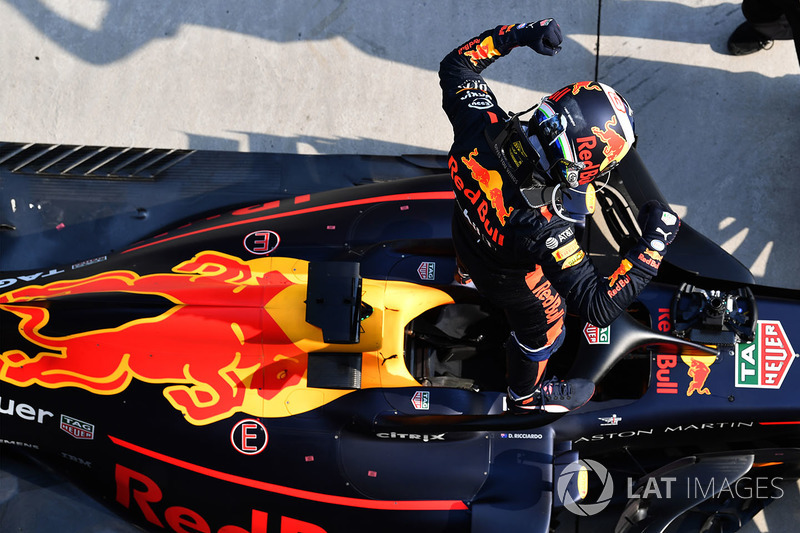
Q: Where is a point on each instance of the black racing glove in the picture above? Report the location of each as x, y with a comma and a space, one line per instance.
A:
659, 226
543, 36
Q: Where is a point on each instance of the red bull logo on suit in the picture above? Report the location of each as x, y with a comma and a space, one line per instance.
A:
490, 183
483, 50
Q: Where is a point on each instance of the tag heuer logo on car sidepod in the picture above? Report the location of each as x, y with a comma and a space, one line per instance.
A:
764, 363
421, 400
77, 428
427, 270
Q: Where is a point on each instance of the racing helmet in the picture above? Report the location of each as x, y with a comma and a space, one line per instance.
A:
579, 133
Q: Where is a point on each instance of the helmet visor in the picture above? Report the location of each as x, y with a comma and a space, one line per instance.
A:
550, 128
557, 159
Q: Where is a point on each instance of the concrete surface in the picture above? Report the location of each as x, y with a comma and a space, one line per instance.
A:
327, 76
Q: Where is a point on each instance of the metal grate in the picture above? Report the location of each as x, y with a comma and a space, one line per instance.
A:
99, 162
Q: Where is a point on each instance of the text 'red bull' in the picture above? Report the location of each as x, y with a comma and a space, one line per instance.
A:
215, 346
492, 232
552, 304
619, 278
140, 494
614, 149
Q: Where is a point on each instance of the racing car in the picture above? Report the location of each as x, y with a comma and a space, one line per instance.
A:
228, 342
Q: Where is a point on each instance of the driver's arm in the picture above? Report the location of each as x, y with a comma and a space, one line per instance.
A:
596, 298
463, 87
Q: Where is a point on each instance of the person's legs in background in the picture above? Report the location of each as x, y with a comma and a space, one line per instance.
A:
766, 21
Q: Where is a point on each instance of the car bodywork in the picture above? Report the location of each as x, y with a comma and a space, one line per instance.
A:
220, 342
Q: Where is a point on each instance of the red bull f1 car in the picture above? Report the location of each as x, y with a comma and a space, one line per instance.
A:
230, 342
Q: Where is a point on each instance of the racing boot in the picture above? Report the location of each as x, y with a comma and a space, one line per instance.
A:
462, 277
746, 40
552, 396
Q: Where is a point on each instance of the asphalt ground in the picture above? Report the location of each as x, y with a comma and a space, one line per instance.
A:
330, 77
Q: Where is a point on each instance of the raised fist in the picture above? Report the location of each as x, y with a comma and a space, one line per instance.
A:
543, 36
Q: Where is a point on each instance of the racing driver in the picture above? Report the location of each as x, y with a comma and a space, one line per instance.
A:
513, 237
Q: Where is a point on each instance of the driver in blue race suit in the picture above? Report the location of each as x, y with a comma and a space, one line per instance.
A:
513, 237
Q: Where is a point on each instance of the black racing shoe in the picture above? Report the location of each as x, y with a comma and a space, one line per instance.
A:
747, 40
553, 396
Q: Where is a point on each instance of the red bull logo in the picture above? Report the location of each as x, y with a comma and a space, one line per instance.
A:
699, 371
619, 278
575, 88
651, 258
622, 270
615, 144
217, 347
490, 183
483, 50
588, 85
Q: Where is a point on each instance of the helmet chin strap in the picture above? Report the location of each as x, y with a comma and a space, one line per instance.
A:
537, 197
557, 210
